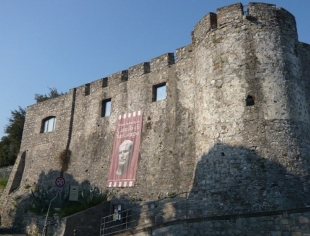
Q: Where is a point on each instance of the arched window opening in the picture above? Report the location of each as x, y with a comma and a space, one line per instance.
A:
48, 124
249, 101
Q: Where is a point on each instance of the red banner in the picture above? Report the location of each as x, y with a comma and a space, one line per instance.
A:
126, 149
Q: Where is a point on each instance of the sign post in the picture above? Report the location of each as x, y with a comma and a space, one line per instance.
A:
59, 182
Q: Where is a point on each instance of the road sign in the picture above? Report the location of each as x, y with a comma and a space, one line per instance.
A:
74, 193
60, 182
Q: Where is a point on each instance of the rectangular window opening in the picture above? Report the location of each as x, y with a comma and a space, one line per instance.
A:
105, 82
159, 92
106, 108
124, 76
87, 89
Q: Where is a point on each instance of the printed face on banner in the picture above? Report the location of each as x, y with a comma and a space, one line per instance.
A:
124, 155
125, 150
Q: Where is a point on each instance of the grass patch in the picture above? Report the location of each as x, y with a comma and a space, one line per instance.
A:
3, 182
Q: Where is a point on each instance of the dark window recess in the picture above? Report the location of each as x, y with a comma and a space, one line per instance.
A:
106, 108
146, 67
249, 101
105, 82
159, 92
171, 59
48, 124
124, 75
87, 89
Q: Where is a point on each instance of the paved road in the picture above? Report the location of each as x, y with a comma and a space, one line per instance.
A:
9, 232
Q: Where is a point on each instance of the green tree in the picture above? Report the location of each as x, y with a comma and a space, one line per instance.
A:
10, 143
43, 97
6, 157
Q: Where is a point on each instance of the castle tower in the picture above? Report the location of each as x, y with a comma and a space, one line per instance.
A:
251, 112
232, 129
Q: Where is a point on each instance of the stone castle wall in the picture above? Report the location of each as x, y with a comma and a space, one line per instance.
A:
232, 131
5, 171
253, 155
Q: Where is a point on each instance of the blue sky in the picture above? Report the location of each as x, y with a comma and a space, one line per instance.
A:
65, 44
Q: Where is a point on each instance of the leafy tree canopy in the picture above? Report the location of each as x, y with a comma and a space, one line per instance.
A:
43, 97
10, 143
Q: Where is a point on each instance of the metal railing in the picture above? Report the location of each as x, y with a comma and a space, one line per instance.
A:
207, 203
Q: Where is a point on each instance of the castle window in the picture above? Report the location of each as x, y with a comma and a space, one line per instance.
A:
124, 75
159, 92
48, 124
105, 82
106, 108
87, 89
249, 101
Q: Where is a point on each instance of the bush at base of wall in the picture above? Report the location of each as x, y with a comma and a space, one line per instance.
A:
3, 182
87, 198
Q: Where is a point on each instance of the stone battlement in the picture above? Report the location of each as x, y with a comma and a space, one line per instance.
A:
231, 126
235, 14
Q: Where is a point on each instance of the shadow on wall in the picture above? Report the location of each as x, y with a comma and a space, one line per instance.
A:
19, 173
228, 181
36, 200
234, 180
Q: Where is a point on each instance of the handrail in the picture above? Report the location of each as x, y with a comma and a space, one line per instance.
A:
184, 205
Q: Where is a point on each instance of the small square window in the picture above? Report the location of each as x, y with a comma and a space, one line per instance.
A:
159, 92
106, 108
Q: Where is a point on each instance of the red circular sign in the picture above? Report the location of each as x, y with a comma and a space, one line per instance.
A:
60, 182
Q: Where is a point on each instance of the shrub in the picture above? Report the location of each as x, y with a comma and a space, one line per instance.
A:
3, 182
87, 198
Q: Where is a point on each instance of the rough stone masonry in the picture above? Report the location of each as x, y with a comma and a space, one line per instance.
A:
233, 130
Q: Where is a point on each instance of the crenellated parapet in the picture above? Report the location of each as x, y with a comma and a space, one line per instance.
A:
156, 64
262, 12
183, 52
225, 117
236, 14
205, 25
231, 14
227, 15
138, 70
162, 61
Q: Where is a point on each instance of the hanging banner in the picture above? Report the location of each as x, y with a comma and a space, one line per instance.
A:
125, 153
